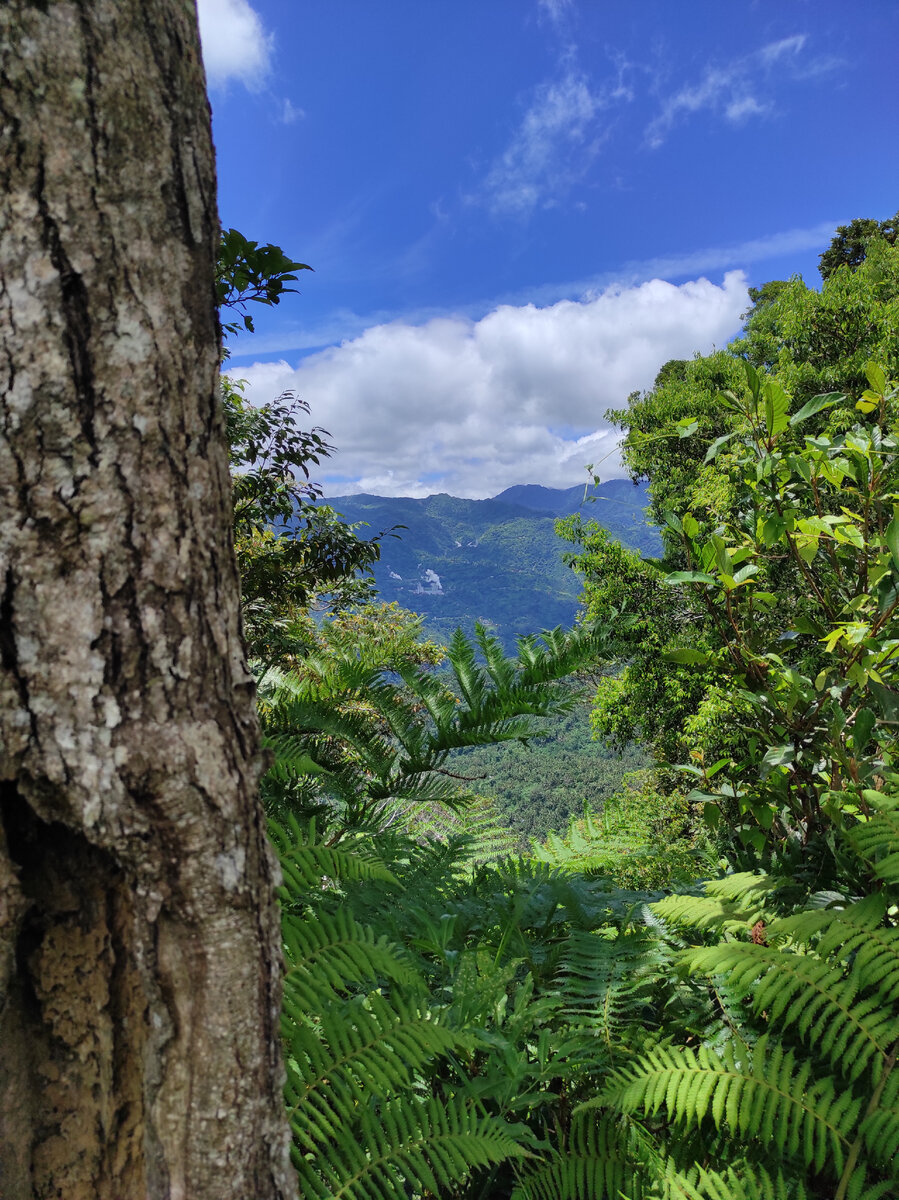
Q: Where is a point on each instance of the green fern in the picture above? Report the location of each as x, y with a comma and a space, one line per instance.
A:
748, 1181
362, 1042
401, 1149
810, 1071
594, 1161
608, 983
761, 1091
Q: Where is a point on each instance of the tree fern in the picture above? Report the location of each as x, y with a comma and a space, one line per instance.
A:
360, 738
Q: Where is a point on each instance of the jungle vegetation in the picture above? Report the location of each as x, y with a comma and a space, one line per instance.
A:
689, 990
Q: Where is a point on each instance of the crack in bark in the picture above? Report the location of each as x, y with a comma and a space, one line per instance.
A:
9, 652
76, 313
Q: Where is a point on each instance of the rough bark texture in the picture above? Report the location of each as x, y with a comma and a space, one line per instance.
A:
139, 1052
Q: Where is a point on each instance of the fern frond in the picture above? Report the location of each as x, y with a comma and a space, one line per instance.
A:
731, 905
363, 1047
328, 954
856, 936
596, 1162
877, 840
746, 1182
802, 992
402, 1149
763, 1093
603, 982
501, 670
306, 862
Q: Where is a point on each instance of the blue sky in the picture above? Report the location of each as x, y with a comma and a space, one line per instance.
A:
517, 210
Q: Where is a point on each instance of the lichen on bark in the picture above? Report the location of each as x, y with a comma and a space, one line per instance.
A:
139, 1053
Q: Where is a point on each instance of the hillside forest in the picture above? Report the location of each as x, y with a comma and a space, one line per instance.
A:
685, 985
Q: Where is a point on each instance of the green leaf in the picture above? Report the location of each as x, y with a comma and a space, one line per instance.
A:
745, 573
887, 592
865, 720
891, 537
672, 521
711, 814
752, 378
722, 557
876, 377
686, 656
776, 404
688, 577
715, 449
779, 756
816, 404
804, 624
772, 530
764, 814
753, 837
888, 699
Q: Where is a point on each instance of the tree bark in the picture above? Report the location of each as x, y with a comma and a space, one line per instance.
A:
139, 948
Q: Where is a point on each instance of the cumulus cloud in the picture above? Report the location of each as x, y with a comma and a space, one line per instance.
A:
235, 43
733, 90
471, 407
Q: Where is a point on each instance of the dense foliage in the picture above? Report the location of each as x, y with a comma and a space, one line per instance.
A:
691, 990
538, 787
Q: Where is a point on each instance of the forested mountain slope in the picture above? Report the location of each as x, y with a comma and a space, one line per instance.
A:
497, 561
539, 786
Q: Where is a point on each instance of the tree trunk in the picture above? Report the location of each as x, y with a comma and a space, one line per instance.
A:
139, 950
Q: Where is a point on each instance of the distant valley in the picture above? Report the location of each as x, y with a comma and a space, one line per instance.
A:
497, 561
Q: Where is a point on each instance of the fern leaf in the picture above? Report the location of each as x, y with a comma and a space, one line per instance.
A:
763, 1093
746, 1182
877, 840
802, 992
731, 905
326, 955
857, 936
406, 1148
306, 862
595, 1163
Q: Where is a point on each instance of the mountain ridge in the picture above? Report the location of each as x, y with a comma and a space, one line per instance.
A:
497, 560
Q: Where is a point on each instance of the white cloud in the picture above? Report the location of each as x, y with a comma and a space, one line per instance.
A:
552, 148
344, 324
471, 407
556, 10
290, 114
727, 90
742, 107
782, 49
235, 43
733, 90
